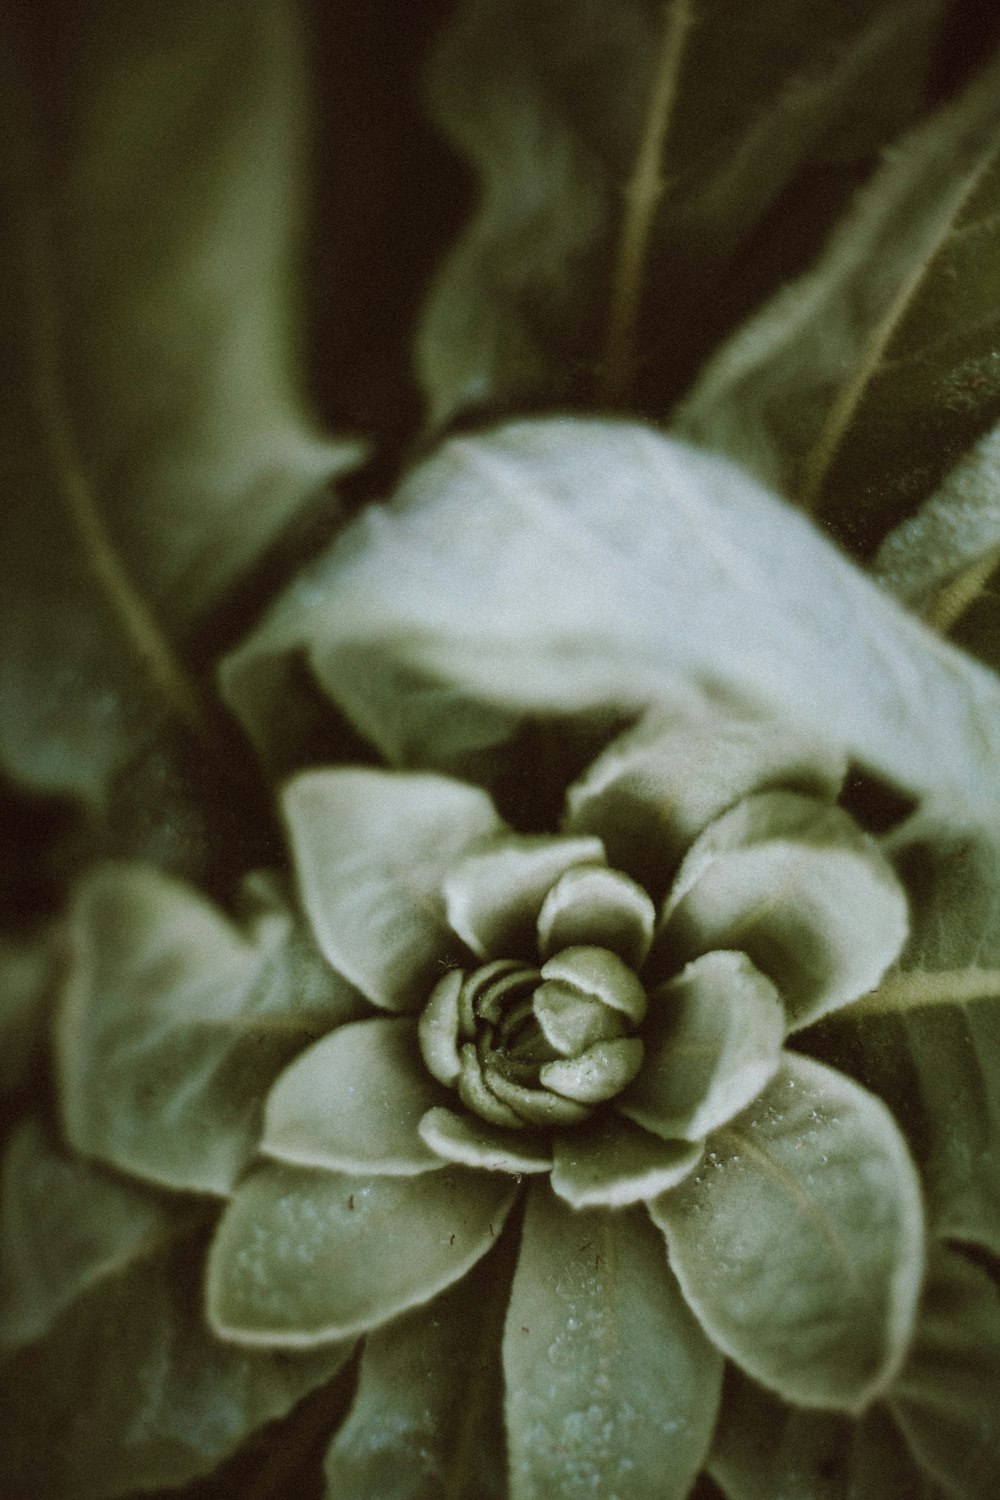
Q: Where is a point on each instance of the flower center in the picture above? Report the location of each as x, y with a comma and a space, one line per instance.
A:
529, 1046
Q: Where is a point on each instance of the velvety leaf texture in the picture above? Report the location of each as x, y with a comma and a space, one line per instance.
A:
155, 424
857, 388
474, 573
549, 102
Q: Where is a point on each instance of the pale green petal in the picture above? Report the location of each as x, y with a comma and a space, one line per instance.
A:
471, 1142
947, 1397
595, 971
600, 908
438, 1028
371, 849
612, 1388
493, 898
799, 1240
597, 1074
713, 1040
609, 1163
764, 1449
427, 1420
353, 1102
172, 1024
537, 1106
63, 1227
657, 786
570, 1021
301, 1257
797, 886
473, 1092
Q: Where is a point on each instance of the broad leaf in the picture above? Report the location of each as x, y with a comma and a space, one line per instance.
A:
946, 1397
505, 568
799, 1241
128, 1390
612, 1387
156, 443
353, 1102
427, 1420
302, 1257
763, 1448
857, 388
371, 849
172, 1025
552, 104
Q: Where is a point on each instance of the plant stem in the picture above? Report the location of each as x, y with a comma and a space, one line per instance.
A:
642, 195
955, 598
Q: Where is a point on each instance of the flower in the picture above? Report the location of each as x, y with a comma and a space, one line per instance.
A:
544, 1018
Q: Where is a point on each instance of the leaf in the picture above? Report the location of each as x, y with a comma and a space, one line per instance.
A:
551, 104
611, 1386
302, 1257
156, 442
173, 1024
427, 1421
799, 1241
945, 1399
128, 1391
858, 387
63, 1227
763, 1449
609, 1163
371, 849
504, 569
931, 1046
353, 1101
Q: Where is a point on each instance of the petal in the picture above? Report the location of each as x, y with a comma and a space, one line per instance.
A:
597, 907
799, 1241
612, 1388
301, 1257
570, 1021
427, 1420
609, 1163
493, 897
595, 971
713, 1040
475, 1095
371, 849
353, 1101
655, 787
471, 1142
946, 1397
797, 886
536, 1106
597, 1074
439, 1028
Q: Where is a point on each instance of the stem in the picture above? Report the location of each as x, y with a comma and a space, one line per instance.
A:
642, 194
921, 988
955, 598
133, 615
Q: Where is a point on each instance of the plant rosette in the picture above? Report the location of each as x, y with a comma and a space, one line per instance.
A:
583, 1130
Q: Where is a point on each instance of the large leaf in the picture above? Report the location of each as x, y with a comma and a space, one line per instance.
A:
155, 444
173, 1024
799, 1241
573, 564
611, 1386
552, 104
929, 1040
859, 386
128, 1391
763, 1448
427, 1420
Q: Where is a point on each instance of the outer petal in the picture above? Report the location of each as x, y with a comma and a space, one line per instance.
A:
353, 1102
713, 1040
302, 1257
797, 886
610, 1163
371, 848
471, 1142
612, 1388
652, 791
591, 906
799, 1242
493, 897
